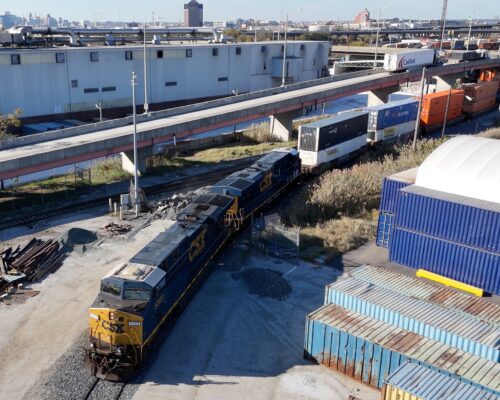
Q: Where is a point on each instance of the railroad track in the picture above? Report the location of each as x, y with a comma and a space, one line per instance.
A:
104, 390
176, 185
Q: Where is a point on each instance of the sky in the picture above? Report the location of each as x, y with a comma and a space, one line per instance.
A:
224, 10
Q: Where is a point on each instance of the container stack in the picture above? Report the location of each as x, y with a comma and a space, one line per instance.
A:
390, 192
434, 108
480, 97
392, 120
375, 321
448, 221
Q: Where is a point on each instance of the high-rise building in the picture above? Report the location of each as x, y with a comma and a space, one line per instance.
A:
193, 14
363, 17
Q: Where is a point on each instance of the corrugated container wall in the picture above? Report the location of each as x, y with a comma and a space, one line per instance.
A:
451, 217
463, 263
394, 113
412, 381
467, 304
370, 350
426, 319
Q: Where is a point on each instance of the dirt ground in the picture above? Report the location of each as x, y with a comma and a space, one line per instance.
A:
35, 334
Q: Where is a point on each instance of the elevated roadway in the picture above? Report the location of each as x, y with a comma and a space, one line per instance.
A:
63, 148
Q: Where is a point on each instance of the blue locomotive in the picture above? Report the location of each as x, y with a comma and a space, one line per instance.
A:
139, 296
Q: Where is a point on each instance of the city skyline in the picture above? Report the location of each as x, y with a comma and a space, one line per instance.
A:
223, 10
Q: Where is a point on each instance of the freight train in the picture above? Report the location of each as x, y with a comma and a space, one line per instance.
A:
138, 297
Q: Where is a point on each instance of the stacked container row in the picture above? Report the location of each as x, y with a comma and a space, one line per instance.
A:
426, 319
434, 107
370, 350
388, 203
412, 381
480, 97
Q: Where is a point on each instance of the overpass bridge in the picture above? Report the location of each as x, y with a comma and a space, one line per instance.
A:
36, 153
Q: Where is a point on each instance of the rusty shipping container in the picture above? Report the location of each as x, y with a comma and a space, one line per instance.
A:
480, 106
483, 90
412, 381
464, 303
424, 318
369, 350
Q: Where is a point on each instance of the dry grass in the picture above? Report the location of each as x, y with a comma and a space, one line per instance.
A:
493, 133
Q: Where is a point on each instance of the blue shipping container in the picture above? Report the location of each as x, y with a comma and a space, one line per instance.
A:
384, 229
391, 114
423, 318
370, 350
448, 216
427, 384
391, 186
463, 263
464, 303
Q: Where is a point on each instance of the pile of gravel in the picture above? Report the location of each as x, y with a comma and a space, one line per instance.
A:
77, 237
169, 208
265, 283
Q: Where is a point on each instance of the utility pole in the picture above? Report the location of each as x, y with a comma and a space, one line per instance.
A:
417, 123
136, 175
146, 105
470, 30
378, 35
284, 54
446, 112
443, 21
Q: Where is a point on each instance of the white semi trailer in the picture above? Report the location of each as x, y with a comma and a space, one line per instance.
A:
409, 60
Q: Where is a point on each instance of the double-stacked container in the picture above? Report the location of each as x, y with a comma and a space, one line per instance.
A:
434, 108
389, 121
480, 97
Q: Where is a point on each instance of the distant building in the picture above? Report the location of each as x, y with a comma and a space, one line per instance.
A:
193, 14
363, 17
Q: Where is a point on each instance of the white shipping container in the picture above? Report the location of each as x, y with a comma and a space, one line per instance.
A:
391, 132
408, 59
315, 158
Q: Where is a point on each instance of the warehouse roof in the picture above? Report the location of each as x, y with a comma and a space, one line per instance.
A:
464, 165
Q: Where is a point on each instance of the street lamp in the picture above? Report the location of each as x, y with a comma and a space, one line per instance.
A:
378, 32
146, 105
284, 54
470, 27
136, 176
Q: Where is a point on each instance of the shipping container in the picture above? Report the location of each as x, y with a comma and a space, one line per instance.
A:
329, 139
480, 106
438, 118
423, 318
391, 132
483, 90
412, 381
463, 263
408, 60
449, 216
435, 103
369, 350
391, 114
469, 305
465, 55
391, 186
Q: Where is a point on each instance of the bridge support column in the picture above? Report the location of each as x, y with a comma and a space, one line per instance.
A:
142, 156
381, 96
445, 82
281, 125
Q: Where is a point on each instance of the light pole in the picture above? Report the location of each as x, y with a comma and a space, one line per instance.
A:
136, 176
284, 54
146, 105
417, 122
378, 32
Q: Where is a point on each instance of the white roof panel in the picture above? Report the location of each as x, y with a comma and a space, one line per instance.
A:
465, 165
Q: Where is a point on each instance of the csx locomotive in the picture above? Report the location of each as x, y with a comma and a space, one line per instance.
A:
139, 296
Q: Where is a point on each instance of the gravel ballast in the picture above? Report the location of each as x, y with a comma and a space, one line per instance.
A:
265, 283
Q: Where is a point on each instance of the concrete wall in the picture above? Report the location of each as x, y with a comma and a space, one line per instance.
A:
40, 86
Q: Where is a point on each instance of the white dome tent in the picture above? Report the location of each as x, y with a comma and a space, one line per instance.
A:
465, 165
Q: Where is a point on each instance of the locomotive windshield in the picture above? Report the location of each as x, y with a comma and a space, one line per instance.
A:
136, 294
111, 289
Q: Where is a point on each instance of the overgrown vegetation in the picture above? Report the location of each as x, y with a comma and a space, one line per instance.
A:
8, 123
109, 170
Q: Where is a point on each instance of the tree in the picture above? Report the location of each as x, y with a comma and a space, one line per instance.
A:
8, 122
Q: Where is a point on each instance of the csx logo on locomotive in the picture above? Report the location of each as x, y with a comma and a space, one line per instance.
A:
197, 245
115, 328
267, 182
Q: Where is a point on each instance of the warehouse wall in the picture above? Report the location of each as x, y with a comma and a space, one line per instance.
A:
41, 86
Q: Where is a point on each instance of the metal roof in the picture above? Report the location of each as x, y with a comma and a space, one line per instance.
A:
408, 176
468, 305
464, 165
392, 104
454, 198
427, 384
469, 367
338, 118
427, 319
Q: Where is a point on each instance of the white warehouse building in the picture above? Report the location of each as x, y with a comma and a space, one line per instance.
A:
64, 82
